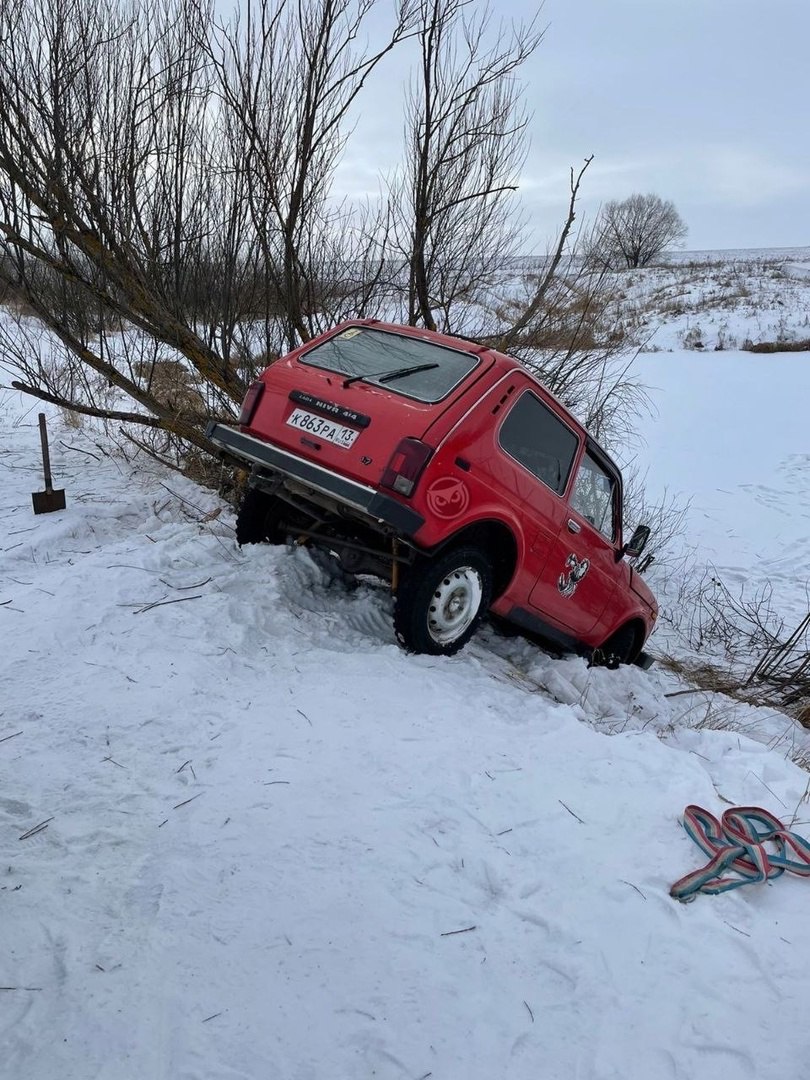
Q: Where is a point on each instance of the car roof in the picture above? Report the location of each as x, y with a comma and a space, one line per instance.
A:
503, 362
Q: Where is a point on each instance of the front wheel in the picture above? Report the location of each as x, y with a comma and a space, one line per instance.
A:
441, 601
619, 649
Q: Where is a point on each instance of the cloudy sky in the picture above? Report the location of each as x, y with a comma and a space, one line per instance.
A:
705, 102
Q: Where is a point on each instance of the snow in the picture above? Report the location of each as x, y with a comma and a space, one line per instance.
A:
718, 300
728, 433
279, 847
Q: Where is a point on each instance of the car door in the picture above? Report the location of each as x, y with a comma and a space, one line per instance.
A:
582, 572
537, 450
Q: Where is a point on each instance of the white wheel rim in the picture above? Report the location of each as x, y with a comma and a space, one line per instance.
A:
454, 604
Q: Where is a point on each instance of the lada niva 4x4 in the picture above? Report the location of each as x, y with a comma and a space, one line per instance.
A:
448, 469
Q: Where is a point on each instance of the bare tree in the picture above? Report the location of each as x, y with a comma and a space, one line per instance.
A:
106, 191
166, 206
289, 74
164, 191
634, 231
465, 132
530, 318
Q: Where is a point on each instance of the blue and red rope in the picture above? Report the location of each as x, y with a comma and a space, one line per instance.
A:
736, 845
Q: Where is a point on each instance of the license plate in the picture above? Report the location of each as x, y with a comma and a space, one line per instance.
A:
322, 428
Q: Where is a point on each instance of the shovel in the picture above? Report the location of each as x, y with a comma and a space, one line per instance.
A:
45, 502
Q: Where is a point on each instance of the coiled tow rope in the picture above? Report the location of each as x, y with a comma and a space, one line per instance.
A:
737, 844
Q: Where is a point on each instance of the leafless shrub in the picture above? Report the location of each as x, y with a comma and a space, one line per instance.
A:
666, 518
784, 669
738, 624
755, 659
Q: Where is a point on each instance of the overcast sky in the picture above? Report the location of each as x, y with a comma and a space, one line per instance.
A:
705, 102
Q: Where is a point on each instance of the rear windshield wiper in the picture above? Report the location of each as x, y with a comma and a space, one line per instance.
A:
389, 376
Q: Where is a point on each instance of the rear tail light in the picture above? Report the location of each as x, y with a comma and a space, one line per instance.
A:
406, 466
252, 397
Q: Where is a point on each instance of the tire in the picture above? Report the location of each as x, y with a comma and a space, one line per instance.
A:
257, 519
620, 648
441, 601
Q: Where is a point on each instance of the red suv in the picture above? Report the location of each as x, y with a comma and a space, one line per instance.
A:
449, 470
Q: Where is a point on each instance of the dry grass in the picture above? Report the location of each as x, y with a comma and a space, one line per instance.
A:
708, 677
715, 679
777, 346
801, 758
211, 473
172, 384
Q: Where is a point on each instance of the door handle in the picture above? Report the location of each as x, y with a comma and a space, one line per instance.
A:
574, 526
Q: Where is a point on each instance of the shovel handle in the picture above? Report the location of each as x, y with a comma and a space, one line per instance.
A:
46, 457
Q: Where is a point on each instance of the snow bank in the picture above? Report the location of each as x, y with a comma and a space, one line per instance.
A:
276, 846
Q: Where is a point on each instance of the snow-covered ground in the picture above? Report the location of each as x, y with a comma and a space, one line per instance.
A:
719, 300
728, 433
274, 846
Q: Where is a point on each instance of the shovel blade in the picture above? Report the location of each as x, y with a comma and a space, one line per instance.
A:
45, 502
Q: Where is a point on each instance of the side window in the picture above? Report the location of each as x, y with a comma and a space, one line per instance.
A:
594, 496
540, 441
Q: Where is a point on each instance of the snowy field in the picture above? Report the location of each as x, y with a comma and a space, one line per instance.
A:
728, 433
707, 301
271, 845
243, 836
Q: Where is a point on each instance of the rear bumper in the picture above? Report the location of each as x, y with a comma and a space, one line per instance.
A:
273, 461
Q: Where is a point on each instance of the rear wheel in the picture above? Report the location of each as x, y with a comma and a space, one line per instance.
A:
257, 521
441, 601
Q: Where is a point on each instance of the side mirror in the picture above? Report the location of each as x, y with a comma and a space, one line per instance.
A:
637, 542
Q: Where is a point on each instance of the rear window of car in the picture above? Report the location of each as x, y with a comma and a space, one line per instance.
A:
536, 437
384, 359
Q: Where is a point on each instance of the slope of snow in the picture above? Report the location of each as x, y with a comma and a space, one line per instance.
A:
276, 846
708, 302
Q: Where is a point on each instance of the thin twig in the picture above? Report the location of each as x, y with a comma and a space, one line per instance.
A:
752, 773
14, 736
188, 502
129, 566
744, 934
163, 603
37, 828
795, 814
79, 450
464, 930
531, 1014
185, 588
187, 801
632, 886
696, 690
571, 812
